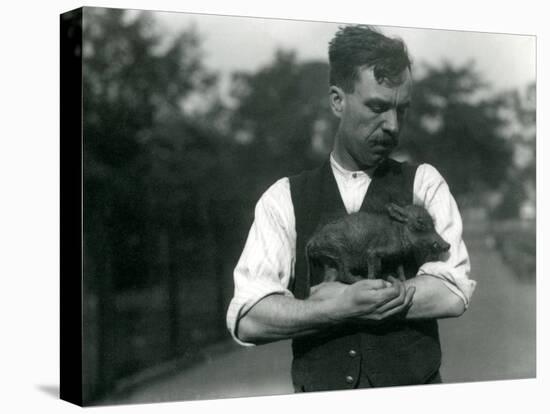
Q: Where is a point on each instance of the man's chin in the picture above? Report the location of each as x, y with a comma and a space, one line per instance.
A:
371, 162
376, 160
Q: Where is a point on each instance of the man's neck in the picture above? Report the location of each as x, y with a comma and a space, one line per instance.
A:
348, 164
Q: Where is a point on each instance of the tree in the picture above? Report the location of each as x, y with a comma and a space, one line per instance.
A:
282, 118
455, 128
133, 82
144, 166
518, 191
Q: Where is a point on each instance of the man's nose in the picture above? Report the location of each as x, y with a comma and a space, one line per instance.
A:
391, 124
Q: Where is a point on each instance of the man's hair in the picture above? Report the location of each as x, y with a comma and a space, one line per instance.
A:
360, 46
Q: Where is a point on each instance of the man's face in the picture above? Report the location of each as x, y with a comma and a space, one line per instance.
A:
371, 118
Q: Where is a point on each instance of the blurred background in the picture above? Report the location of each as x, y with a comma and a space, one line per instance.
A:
189, 118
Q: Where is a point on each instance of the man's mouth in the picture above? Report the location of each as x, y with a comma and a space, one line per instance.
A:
382, 148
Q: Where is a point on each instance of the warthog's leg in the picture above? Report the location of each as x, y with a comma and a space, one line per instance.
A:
374, 264
344, 273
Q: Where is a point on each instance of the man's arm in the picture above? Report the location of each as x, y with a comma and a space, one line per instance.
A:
433, 299
277, 317
443, 289
265, 268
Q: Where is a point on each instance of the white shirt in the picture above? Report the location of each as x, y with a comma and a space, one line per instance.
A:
266, 265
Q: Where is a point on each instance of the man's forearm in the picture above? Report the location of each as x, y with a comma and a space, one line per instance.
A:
433, 299
277, 317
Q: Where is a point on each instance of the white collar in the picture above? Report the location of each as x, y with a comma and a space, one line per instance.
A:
346, 174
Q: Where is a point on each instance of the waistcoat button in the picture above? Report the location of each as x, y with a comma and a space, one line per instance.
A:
352, 353
349, 379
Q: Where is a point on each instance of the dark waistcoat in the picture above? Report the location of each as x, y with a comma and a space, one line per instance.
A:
393, 353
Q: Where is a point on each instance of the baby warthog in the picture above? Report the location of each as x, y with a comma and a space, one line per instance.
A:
362, 244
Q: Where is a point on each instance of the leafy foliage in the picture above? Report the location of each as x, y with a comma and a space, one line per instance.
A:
148, 231
453, 128
279, 110
136, 138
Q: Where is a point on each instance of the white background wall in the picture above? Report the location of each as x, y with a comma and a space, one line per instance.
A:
29, 181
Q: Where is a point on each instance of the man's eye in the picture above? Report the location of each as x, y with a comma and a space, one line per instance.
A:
377, 108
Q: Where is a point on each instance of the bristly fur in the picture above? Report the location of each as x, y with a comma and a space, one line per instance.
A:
360, 243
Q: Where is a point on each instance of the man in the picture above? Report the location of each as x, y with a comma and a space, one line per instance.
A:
370, 333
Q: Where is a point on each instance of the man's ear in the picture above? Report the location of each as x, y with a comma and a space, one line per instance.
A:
336, 100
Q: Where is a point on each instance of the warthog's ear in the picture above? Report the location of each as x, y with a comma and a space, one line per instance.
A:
397, 213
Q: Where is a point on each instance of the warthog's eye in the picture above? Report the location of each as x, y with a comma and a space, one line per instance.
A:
435, 246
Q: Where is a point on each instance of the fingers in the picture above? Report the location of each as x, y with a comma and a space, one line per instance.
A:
379, 297
372, 284
396, 301
393, 280
383, 298
410, 294
401, 273
401, 308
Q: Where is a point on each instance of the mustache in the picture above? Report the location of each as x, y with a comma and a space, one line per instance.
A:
385, 140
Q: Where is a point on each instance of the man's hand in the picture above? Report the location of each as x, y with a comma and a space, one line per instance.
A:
366, 300
278, 317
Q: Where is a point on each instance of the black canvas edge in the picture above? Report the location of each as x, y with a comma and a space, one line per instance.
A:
71, 379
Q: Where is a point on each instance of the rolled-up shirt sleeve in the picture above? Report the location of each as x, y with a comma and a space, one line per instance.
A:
431, 191
267, 261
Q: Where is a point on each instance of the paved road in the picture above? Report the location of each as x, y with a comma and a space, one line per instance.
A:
494, 340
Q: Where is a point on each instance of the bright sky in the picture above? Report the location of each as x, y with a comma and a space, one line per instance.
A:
243, 43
